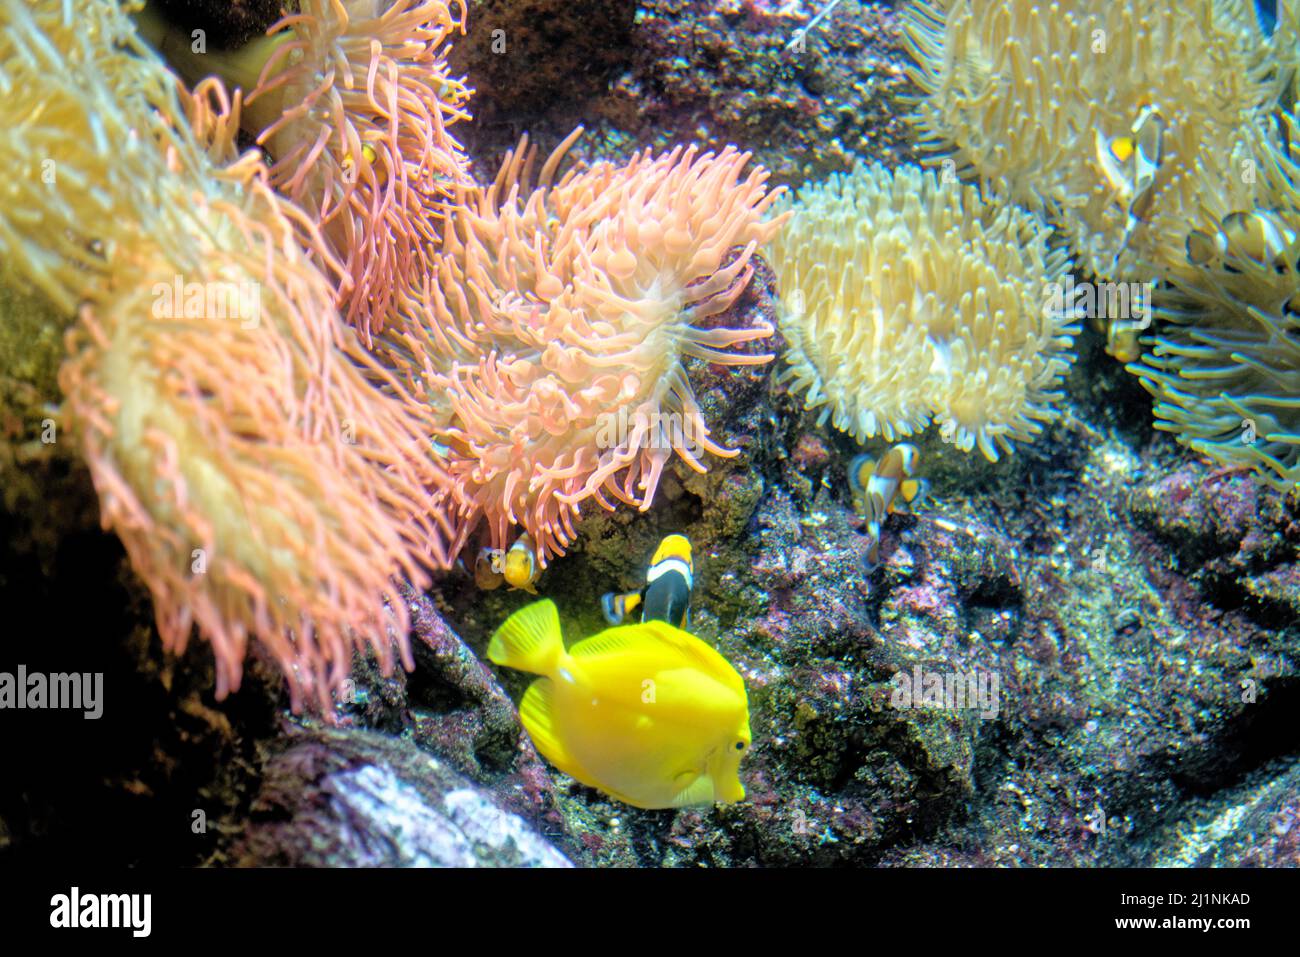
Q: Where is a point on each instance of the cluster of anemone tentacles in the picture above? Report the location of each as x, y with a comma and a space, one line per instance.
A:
305, 373
1157, 138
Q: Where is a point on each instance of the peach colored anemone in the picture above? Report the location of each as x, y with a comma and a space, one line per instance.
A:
261, 469
354, 106
556, 322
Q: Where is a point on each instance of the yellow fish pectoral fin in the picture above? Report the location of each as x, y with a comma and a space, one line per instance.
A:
1122, 147
697, 791
535, 712
1110, 164
914, 491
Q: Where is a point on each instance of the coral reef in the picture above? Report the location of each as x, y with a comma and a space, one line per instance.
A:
1130, 610
662, 72
907, 297
519, 52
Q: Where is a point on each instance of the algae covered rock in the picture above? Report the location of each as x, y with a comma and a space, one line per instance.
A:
354, 798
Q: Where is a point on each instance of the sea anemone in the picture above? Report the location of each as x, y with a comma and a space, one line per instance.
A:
1224, 361
262, 483
905, 296
1036, 99
353, 102
554, 327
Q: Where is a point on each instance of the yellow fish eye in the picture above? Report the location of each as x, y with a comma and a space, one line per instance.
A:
740, 745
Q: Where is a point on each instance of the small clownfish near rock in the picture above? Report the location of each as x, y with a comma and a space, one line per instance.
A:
667, 593
489, 568
1131, 164
520, 565
647, 713
879, 487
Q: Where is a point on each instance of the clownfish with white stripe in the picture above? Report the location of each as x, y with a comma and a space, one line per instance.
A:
516, 566
1259, 235
489, 568
881, 487
667, 592
1131, 164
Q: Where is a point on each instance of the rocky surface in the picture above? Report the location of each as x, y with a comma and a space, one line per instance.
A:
337, 798
664, 72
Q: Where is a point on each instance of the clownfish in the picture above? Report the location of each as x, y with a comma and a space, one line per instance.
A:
520, 565
647, 713
1130, 164
1258, 236
489, 568
1122, 341
667, 593
879, 486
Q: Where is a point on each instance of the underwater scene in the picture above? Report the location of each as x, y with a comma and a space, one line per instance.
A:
649, 434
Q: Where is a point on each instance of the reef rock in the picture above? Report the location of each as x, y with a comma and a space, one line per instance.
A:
346, 797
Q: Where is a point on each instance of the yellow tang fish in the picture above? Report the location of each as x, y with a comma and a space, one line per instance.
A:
647, 713
879, 486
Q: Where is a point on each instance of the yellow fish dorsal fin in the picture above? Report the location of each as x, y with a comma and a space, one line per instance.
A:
535, 711
529, 640
629, 638
699, 653
611, 641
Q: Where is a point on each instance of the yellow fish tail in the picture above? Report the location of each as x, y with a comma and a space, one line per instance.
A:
530, 639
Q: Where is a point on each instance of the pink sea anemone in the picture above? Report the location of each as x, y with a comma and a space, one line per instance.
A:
353, 101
